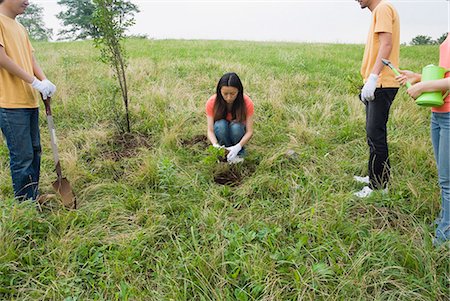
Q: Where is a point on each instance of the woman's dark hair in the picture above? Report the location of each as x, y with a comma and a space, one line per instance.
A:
239, 110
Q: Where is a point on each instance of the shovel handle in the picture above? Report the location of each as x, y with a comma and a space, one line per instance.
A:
48, 109
51, 128
58, 171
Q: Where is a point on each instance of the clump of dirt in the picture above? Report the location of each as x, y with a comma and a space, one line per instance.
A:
223, 158
228, 177
232, 175
124, 146
200, 140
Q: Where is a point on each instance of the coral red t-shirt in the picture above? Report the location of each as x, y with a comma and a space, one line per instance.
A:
444, 61
212, 100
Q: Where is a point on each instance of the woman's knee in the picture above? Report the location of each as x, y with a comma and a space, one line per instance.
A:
237, 128
221, 125
221, 129
237, 131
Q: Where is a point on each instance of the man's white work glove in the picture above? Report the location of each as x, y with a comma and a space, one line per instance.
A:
217, 145
41, 87
51, 87
233, 151
368, 91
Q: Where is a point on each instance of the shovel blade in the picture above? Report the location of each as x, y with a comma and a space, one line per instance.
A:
62, 186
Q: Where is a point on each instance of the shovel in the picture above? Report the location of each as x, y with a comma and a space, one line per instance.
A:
389, 64
61, 185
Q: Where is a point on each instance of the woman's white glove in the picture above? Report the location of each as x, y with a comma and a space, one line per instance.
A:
217, 145
233, 151
368, 91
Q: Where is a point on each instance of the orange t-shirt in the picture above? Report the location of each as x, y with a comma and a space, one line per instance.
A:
384, 19
444, 61
212, 100
14, 92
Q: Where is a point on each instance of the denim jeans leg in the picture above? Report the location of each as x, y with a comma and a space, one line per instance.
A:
441, 144
238, 131
21, 129
222, 132
37, 151
435, 133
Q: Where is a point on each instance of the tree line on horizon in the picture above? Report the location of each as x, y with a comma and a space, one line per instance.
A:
77, 19
106, 23
427, 40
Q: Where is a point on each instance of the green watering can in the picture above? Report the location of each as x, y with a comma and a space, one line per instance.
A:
432, 99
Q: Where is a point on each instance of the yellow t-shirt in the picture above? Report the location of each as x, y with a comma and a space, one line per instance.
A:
384, 19
14, 92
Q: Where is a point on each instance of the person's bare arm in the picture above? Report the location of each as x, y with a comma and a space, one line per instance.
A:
9, 65
368, 91
37, 70
408, 76
248, 131
384, 52
429, 86
210, 133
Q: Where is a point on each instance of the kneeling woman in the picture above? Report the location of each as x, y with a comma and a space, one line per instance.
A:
230, 117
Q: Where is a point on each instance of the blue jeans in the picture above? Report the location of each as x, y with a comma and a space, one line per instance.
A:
440, 136
21, 130
229, 133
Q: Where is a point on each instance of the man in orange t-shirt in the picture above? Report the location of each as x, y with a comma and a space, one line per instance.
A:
20, 74
379, 90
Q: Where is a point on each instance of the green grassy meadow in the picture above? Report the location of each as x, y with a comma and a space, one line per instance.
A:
152, 222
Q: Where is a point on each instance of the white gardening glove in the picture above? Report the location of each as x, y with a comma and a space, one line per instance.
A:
217, 145
42, 87
51, 87
233, 151
368, 91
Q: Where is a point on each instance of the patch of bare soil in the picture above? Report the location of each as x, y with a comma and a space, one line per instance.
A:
230, 178
200, 140
233, 175
125, 145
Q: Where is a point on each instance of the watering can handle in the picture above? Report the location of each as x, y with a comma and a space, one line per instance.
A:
448, 91
396, 72
407, 84
446, 94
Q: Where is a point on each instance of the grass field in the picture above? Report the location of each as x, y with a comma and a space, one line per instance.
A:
153, 224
